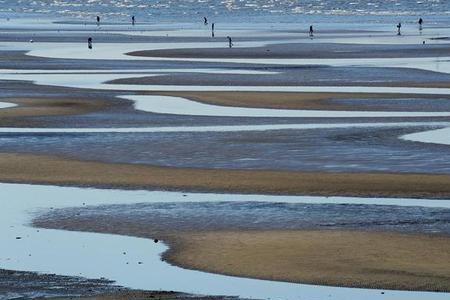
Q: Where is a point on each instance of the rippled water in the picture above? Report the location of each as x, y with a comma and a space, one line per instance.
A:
160, 217
331, 150
223, 8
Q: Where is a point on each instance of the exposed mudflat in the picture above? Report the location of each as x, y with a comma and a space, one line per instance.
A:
331, 244
73, 116
28, 285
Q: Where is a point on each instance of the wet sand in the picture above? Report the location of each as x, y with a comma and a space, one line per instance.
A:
235, 239
18, 168
343, 258
51, 105
313, 76
29, 285
31, 107
312, 101
354, 259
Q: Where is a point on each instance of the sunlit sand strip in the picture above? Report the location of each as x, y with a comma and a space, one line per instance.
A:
226, 128
438, 136
53, 250
182, 106
7, 105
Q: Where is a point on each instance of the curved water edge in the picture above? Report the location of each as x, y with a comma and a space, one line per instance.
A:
52, 251
117, 51
182, 106
437, 136
7, 105
100, 81
224, 128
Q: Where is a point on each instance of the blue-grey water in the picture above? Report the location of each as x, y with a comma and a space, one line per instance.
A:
267, 10
331, 150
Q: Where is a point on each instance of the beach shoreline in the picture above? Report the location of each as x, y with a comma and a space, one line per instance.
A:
360, 258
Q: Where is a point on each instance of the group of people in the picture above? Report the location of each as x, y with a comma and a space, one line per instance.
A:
133, 20
98, 19
205, 22
230, 41
399, 26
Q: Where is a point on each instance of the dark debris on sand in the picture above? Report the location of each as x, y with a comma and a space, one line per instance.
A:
29, 285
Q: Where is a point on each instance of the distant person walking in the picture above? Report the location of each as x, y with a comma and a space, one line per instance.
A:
311, 31
399, 29
420, 24
212, 29
133, 20
98, 20
90, 43
230, 42
205, 21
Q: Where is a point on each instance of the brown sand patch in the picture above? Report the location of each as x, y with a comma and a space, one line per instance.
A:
280, 100
54, 170
342, 258
29, 107
251, 80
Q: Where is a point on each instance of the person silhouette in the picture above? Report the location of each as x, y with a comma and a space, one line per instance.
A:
230, 42
420, 24
90, 43
212, 29
98, 20
133, 20
205, 21
311, 31
399, 29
